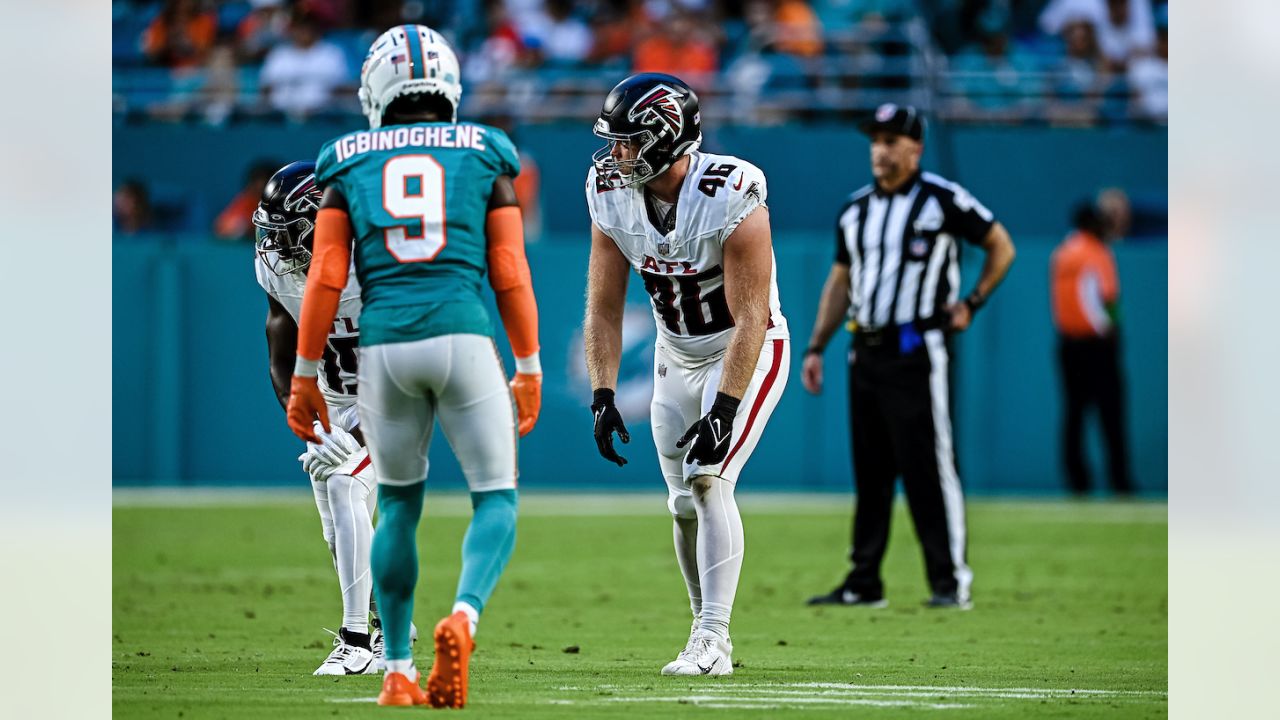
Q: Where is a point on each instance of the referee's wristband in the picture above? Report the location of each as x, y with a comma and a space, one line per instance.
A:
814, 350
974, 301
303, 367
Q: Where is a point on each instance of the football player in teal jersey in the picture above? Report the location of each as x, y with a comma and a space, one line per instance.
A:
429, 201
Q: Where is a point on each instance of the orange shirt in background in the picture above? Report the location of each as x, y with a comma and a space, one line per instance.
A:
1083, 283
798, 29
659, 54
184, 45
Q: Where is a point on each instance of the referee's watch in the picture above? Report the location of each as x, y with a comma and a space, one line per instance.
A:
974, 301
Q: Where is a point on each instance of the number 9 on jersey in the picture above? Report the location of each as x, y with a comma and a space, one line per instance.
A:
413, 190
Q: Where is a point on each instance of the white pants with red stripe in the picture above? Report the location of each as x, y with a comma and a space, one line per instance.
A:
683, 394
346, 502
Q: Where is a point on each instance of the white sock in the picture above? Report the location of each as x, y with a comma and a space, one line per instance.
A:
473, 615
352, 536
720, 547
404, 667
685, 532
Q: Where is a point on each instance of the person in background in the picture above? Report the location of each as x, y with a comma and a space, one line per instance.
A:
1149, 75
181, 35
797, 29
681, 48
1085, 299
300, 76
235, 222
131, 208
562, 38
1124, 28
266, 26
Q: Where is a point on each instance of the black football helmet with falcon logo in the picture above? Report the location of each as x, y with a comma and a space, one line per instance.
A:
655, 113
286, 217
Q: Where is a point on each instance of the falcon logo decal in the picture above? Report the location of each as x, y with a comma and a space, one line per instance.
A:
661, 105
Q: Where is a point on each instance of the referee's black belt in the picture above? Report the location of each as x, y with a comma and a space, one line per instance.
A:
904, 337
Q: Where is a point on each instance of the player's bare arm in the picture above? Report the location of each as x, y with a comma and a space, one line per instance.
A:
748, 266
999, 250
607, 272
282, 340
330, 266
602, 337
512, 285
832, 307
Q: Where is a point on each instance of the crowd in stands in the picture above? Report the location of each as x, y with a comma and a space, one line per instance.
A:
1080, 61
1077, 62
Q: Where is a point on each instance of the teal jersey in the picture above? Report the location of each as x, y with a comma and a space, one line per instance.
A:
418, 196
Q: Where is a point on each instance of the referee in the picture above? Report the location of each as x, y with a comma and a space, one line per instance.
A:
897, 275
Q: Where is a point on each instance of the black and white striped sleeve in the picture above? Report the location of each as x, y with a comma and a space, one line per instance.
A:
965, 216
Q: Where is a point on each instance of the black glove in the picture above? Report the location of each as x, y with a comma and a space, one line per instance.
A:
608, 421
709, 438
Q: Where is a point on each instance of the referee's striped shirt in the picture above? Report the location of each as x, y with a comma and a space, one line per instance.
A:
901, 249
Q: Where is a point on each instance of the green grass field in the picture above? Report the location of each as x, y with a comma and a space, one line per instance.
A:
218, 609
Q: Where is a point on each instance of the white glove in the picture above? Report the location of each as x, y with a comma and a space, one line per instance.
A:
337, 445
313, 465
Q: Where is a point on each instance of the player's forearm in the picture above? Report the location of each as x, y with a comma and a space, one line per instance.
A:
513, 285
999, 257
280, 379
744, 351
831, 311
330, 265
602, 339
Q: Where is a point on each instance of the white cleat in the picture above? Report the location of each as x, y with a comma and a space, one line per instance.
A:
346, 659
378, 642
686, 655
708, 654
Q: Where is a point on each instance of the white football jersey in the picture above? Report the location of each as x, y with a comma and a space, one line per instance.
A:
683, 270
338, 366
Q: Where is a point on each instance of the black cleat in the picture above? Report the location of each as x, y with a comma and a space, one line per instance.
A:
844, 596
948, 601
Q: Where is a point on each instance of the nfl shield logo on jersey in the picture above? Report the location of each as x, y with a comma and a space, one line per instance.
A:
664, 248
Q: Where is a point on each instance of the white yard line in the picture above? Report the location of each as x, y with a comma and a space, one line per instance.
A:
799, 695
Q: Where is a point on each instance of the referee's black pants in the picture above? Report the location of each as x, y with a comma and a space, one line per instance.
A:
899, 418
1091, 378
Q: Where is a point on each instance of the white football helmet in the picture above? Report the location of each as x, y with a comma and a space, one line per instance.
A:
404, 60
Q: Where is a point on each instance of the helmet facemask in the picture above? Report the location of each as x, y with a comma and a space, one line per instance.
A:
647, 164
283, 243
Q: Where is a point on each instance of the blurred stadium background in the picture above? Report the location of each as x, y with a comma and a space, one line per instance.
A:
1033, 105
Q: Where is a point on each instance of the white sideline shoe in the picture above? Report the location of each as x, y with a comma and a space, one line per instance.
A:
708, 655
685, 655
346, 659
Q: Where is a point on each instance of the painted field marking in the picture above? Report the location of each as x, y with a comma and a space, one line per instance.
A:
799, 695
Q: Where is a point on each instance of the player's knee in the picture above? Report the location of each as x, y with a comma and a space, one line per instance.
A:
681, 506
700, 485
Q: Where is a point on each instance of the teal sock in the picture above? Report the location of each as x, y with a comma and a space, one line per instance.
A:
487, 547
395, 563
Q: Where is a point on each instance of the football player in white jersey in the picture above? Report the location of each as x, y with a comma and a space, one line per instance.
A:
342, 477
695, 227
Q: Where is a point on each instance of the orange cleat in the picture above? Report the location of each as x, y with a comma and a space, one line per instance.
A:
447, 683
399, 691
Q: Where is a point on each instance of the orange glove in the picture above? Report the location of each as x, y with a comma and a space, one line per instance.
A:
527, 387
305, 405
